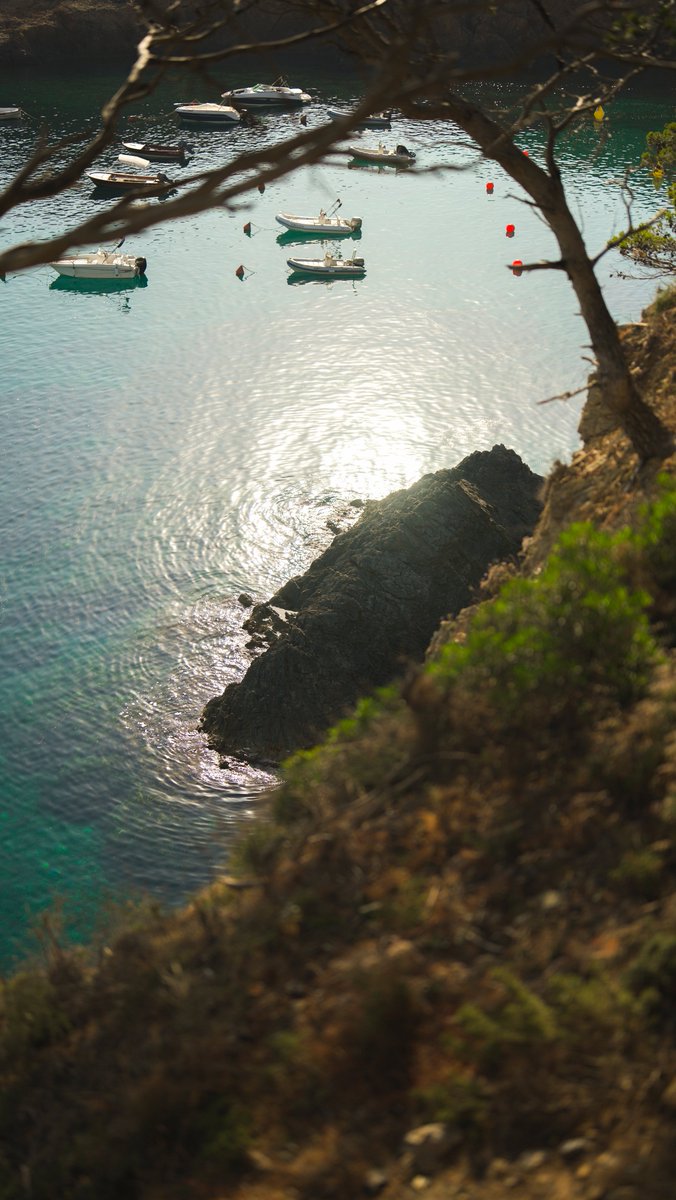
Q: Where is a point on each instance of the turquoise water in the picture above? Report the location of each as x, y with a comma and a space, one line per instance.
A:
168, 446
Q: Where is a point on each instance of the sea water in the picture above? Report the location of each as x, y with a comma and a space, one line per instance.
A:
168, 446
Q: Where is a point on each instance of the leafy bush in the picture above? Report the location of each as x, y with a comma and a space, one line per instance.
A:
550, 645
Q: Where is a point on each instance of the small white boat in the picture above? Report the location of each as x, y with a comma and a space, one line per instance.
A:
100, 264
381, 120
331, 265
267, 95
11, 113
324, 223
401, 157
207, 114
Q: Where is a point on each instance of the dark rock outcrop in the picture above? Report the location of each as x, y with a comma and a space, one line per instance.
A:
371, 602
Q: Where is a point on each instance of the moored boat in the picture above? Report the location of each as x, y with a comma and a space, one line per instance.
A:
267, 95
400, 157
11, 113
331, 265
180, 152
208, 113
381, 120
324, 223
100, 264
122, 182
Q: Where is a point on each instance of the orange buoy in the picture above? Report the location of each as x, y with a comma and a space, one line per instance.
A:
517, 266
489, 188
509, 230
247, 228
240, 272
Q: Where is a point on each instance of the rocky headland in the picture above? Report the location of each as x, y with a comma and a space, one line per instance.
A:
369, 605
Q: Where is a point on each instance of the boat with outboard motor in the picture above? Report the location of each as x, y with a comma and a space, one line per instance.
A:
384, 156
330, 266
100, 264
180, 152
267, 95
325, 223
207, 113
120, 183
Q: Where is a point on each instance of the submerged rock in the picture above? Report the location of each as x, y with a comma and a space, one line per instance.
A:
371, 602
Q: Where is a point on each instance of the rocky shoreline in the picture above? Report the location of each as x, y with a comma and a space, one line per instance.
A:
370, 603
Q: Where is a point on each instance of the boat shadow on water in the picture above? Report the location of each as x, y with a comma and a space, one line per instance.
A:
296, 237
98, 287
297, 277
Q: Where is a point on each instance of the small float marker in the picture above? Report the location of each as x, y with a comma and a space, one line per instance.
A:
509, 230
247, 228
525, 152
517, 266
599, 113
240, 272
489, 189
261, 188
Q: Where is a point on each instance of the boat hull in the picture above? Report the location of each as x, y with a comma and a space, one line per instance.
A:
331, 227
159, 153
202, 114
383, 158
266, 98
333, 270
10, 114
377, 121
116, 183
100, 266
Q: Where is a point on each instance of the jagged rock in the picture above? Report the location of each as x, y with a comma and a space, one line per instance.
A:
371, 602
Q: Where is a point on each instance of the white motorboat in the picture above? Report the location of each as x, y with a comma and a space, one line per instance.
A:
331, 265
400, 157
381, 120
208, 113
100, 264
324, 223
267, 95
11, 113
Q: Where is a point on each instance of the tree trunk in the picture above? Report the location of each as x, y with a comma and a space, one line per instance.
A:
648, 435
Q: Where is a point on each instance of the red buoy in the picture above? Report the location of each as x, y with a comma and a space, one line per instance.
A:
517, 266
247, 228
240, 272
509, 230
489, 188
525, 152
261, 188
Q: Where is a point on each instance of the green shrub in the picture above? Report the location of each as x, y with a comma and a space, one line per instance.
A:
639, 872
552, 645
656, 536
652, 975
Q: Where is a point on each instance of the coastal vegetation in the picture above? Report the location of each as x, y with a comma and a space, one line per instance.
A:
655, 244
444, 956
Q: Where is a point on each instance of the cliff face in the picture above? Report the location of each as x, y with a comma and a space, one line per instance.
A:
74, 34
80, 33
